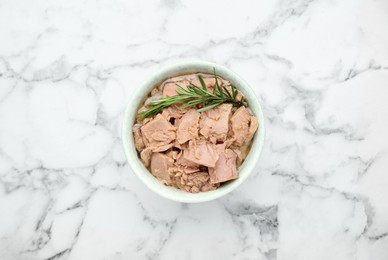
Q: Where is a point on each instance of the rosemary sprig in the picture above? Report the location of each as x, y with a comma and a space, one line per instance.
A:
192, 95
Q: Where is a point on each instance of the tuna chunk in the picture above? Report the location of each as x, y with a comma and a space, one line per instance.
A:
189, 170
187, 126
201, 153
158, 132
173, 112
214, 123
145, 156
225, 168
162, 148
169, 89
240, 125
139, 143
160, 164
181, 160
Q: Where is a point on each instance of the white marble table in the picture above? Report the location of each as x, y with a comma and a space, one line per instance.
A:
67, 69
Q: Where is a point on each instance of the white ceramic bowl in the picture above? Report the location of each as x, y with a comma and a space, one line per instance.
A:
129, 118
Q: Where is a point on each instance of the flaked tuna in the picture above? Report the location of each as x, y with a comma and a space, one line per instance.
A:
240, 125
139, 143
145, 156
158, 132
214, 123
172, 113
202, 153
195, 182
254, 124
187, 126
225, 168
160, 164
169, 89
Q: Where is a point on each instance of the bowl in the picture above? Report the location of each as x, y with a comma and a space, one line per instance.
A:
138, 97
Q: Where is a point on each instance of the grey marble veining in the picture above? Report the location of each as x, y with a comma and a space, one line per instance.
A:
67, 70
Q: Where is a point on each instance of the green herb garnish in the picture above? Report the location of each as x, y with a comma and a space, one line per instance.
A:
193, 95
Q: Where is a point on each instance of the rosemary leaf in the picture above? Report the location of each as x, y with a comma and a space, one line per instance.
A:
202, 82
209, 107
227, 92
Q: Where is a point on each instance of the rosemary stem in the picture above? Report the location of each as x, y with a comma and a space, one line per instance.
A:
193, 95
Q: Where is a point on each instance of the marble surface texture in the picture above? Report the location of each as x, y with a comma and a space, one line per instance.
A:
68, 68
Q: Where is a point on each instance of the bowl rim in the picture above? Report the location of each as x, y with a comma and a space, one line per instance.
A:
183, 68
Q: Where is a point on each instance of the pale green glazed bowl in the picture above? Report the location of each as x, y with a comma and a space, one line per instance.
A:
129, 118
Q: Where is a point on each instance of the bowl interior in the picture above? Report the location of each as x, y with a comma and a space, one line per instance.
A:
129, 118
